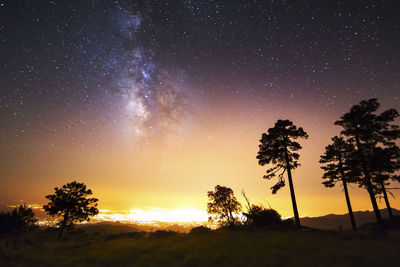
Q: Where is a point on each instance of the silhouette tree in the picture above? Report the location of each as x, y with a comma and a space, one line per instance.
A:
222, 205
339, 166
278, 148
383, 165
71, 203
19, 220
23, 219
260, 216
367, 129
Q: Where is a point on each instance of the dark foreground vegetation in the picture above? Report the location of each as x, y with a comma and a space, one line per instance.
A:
239, 246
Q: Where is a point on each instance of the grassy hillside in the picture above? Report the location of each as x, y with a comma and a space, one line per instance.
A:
107, 228
217, 248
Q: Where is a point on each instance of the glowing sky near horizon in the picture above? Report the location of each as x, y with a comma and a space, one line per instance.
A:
153, 103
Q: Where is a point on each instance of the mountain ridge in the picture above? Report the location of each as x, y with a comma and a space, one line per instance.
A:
332, 221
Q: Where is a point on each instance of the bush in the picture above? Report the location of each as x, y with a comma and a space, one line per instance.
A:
260, 216
162, 233
124, 235
396, 221
18, 220
200, 230
289, 223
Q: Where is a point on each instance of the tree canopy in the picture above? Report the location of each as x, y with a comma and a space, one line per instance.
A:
384, 164
338, 163
223, 205
275, 146
72, 203
368, 130
363, 123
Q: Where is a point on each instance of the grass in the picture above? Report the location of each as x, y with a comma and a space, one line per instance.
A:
255, 247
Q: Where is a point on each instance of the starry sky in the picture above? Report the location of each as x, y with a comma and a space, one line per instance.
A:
152, 103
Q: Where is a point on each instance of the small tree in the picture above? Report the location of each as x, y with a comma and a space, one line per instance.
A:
71, 203
222, 205
19, 220
278, 148
339, 166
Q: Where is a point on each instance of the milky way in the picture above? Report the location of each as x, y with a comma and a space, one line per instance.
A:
103, 55
87, 57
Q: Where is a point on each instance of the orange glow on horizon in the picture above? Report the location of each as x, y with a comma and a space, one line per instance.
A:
177, 172
182, 214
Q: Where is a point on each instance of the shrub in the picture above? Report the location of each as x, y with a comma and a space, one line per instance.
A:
162, 233
200, 230
259, 216
124, 235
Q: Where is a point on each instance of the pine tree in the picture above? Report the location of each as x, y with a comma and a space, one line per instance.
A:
384, 163
367, 129
339, 167
278, 148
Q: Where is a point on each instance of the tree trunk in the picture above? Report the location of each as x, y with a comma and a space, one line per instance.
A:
232, 220
351, 215
60, 232
63, 225
16, 238
389, 209
370, 189
296, 213
346, 194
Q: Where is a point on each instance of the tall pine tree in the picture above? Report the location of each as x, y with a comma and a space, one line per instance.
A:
339, 167
368, 130
277, 147
384, 164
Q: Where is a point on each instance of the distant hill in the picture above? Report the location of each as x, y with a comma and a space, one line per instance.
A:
108, 227
4, 207
332, 221
117, 227
326, 222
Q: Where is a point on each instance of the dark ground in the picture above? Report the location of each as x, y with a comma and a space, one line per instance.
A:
240, 247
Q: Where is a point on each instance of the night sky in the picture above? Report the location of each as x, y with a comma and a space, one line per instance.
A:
152, 103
